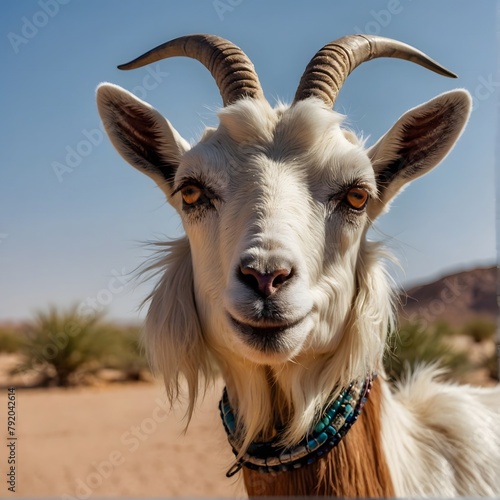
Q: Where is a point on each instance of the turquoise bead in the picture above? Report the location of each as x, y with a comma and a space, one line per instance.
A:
331, 430
331, 412
322, 437
319, 427
312, 444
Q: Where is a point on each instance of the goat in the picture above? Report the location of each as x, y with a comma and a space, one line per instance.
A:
276, 283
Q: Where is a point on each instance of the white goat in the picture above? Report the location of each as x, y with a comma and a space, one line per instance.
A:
276, 281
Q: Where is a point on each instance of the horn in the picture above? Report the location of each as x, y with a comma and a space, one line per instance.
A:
232, 70
329, 68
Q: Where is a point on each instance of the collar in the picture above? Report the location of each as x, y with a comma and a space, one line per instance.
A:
334, 423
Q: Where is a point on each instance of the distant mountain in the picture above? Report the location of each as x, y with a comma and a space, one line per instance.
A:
456, 298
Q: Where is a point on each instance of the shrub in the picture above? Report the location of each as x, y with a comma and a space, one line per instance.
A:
480, 329
414, 345
11, 340
63, 345
126, 354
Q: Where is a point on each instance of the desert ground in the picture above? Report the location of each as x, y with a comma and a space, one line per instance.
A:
115, 440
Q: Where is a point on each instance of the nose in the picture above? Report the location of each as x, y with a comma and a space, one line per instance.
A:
265, 283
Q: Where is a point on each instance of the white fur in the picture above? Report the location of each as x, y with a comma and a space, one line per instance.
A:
447, 435
279, 175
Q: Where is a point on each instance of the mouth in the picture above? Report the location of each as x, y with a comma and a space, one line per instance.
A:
269, 338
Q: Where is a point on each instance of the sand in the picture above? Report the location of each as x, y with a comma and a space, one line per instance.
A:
117, 440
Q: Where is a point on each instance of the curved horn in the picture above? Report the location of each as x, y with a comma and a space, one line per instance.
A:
232, 70
329, 68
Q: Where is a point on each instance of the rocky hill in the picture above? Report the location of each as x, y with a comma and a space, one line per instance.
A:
456, 298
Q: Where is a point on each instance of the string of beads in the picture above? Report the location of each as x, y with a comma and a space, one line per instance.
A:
333, 424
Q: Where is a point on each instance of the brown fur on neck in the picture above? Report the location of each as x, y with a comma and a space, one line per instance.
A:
356, 467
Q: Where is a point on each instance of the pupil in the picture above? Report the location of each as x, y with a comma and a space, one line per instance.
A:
191, 192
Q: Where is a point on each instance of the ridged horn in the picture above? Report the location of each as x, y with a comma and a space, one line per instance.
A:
232, 70
329, 68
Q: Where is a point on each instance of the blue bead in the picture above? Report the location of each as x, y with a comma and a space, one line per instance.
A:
312, 444
310, 461
326, 420
322, 437
319, 427
331, 412
331, 430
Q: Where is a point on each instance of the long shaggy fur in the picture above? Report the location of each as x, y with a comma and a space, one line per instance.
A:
174, 338
447, 435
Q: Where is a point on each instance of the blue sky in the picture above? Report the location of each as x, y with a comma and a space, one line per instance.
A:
74, 215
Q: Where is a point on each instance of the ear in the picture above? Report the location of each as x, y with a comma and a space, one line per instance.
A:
173, 337
418, 141
141, 135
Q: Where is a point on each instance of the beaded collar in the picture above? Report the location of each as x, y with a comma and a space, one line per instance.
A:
270, 456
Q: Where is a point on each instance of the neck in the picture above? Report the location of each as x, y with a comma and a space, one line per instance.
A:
356, 467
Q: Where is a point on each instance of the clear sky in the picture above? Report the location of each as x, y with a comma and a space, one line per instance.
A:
74, 214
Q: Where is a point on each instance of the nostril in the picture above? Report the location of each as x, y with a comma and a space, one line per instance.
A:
249, 278
280, 276
264, 283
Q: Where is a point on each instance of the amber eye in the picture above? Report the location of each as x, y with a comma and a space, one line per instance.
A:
191, 194
357, 198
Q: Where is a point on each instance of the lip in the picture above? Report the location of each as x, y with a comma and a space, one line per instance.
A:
269, 331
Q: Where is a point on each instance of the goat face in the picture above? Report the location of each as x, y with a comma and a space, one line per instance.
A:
275, 204
275, 219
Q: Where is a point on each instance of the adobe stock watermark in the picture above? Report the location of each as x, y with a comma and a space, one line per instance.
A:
381, 18
103, 298
453, 289
222, 7
31, 26
485, 88
130, 441
91, 138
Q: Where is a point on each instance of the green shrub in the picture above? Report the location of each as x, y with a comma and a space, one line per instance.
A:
414, 345
480, 329
63, 345
125, 354
11, 340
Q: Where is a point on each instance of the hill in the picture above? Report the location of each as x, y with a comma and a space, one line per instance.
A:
456, 298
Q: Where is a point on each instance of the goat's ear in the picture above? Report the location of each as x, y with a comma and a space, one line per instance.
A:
418, 141
142, 136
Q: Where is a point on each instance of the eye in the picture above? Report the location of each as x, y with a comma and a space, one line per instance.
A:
191, 194
356, 198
